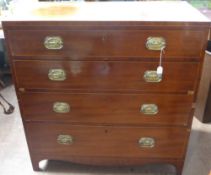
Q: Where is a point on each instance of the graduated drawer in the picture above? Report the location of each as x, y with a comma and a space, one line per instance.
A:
77, 140
105, 75
80, 44
99, 108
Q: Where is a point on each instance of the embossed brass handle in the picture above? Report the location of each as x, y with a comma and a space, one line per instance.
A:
61, 107
53, 42
146, 142
57, 74
155, 43
152, 76
65, 139
149, 109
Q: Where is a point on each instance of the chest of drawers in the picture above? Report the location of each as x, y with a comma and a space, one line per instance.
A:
89, 92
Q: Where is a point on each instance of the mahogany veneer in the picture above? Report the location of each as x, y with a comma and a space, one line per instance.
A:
107, 108
107, 75
122, 42
103, 140
83, 92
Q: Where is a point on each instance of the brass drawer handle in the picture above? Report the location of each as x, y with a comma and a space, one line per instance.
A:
61, 107
155, 43
152, 76
65, 139
57, 74
149, 109
146, 142
53, 42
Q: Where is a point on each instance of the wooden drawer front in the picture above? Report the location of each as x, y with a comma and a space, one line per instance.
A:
106, 75
107, 108
70, 140
121, 43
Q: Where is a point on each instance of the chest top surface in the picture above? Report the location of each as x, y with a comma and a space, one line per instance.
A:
108, 11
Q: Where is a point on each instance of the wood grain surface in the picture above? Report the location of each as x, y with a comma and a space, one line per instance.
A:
106, 141
107, 76
98, 108
105, 63
79, 44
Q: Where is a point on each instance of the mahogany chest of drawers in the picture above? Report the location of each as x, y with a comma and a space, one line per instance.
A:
88, 89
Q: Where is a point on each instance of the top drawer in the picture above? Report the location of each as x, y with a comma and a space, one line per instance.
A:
82, 44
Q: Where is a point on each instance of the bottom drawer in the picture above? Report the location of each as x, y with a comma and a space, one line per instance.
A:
106, 141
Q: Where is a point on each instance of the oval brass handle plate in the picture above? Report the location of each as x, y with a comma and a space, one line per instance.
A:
155, 43
61, 107
53, 42
65, 139
149, 109
146, 142
152, 76
57, 74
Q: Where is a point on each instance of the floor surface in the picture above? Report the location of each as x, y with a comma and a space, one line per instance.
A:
14, 157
